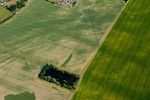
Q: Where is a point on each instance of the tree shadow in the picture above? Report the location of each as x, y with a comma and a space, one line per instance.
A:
67, 60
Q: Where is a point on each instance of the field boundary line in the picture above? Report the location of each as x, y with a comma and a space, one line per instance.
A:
105, 35
11, 60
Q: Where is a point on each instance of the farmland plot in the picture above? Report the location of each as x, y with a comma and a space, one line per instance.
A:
4, 14
46, 33
121, 68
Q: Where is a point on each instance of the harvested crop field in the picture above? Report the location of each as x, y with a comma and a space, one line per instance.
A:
46, 33
121, 68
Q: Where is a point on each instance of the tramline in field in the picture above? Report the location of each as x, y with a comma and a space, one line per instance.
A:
42, 33
121, 67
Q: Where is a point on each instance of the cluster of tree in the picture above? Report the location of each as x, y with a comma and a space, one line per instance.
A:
125, 1
17, 6
59, 77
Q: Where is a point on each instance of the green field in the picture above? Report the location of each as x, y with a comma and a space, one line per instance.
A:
121, 68
43, 33
4, 13
55, 32
21, 96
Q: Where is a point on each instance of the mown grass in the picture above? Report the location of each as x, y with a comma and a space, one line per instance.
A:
4, 14
121, 68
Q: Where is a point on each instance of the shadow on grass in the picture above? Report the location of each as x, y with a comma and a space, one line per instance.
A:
21, 96
67, 60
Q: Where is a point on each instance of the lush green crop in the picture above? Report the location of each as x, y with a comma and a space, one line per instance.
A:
121, 68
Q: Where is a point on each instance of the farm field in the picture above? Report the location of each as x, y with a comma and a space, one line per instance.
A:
121, 68
45, 33
4, 13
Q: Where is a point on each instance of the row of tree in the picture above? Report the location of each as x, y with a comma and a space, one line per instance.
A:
59, 77
18, 5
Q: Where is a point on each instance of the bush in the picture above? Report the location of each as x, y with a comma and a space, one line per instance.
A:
18, 5
11, 7
59, 77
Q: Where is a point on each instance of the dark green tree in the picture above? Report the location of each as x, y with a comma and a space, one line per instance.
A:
20, 4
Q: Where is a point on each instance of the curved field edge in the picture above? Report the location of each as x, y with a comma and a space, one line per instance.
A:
120, 70
4, 14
